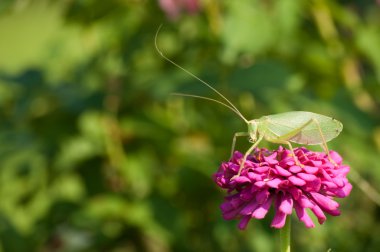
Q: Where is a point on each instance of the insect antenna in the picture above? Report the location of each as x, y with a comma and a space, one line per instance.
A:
231, 105
210, 99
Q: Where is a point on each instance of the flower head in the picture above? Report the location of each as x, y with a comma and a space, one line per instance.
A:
274, 177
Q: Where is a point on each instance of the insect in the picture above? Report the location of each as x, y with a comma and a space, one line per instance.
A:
300, 127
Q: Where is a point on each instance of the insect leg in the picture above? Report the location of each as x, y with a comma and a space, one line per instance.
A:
246, 156
236, 135
294, 155
292, 133
279, 141
324, 144
284, 139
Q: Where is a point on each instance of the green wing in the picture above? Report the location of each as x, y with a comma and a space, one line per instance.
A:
301, 127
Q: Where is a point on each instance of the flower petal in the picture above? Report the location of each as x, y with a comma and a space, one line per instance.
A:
281, 171
303, 216
244, 222
295, 192
274, 182
249, 208
325, 202
305, 202
286, 205
306, 176
242, 180
338, 181
319, 213
296, 181
262, 196
260, 184
261, 169
262, 210
295, 169
336, 157
310, 169
278, 220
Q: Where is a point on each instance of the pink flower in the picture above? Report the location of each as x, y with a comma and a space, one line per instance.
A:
273, 177
173, 8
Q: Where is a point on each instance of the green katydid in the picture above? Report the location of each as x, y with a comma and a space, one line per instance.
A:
299, 127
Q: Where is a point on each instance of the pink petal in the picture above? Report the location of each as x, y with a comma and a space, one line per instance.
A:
262, 196
226, 206
338, 181
260, 184
326, 175
347, 189
344, 169
271, 159
244, 222
262, 210
231, 214
319, 213
315, 163
250, 164
249, 208
242, 180
261, 169
310, 169
236, 157
295, 169
329, 184
325, 202
335, 212
281, 171
306, 176
303, 216
296, 193
305, 202
314, 185
253, 176
286, 205
246, 195
274, 182
236, 201
296, 181
328, 166
336, 157
278, 220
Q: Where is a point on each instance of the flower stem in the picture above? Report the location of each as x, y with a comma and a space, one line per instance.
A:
285, 236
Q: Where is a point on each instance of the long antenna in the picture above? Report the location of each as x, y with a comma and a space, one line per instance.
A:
210, 99
195, 77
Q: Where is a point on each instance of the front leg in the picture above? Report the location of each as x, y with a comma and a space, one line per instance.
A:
236, 135
246, 156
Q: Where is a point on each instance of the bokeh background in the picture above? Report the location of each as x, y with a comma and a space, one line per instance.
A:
96, 155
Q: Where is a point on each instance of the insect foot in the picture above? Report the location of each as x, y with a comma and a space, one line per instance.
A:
334, 158
295, 158
271, 176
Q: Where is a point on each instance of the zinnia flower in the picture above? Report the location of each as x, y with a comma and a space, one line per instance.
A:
273, 177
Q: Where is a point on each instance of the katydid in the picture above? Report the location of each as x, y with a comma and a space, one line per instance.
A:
296, 126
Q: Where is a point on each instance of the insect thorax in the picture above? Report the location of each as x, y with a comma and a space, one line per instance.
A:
252, 130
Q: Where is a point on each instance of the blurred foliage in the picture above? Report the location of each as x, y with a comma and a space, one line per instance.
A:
95, 155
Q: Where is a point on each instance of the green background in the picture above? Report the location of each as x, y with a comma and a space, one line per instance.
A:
96, 155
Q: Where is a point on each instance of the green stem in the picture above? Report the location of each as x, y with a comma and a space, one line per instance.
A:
285, 236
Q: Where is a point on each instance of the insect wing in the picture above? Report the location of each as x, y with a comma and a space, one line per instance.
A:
308, 128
